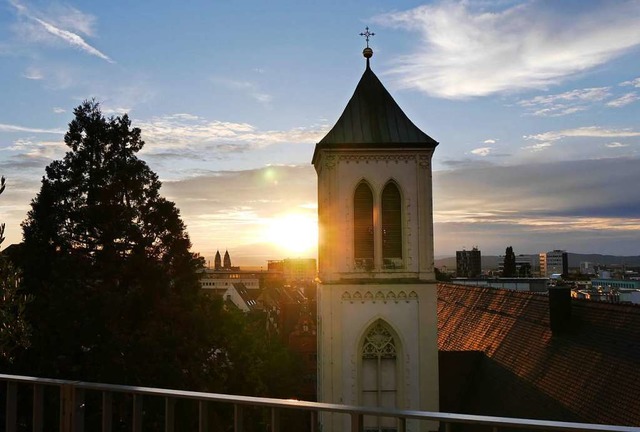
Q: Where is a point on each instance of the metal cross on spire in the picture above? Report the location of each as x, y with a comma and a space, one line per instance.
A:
367, 34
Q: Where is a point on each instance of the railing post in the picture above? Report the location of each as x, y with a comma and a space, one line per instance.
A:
66, 408
71, 408
238, 419
169, 414
78, 409
402, 424
314, 421
37, 418
275, 419
107, 411
137, 413
12, 406
203, 416
357, 422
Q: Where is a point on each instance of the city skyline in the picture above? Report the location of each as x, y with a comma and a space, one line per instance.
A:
535, 105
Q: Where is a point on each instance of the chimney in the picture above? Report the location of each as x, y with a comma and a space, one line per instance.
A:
559, 309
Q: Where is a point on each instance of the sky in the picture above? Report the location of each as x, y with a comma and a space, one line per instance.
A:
535, 104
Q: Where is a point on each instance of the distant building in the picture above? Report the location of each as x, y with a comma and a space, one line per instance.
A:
295, 269
517, 284
554, 262
223, 276
524, 265
587, 268
468, 263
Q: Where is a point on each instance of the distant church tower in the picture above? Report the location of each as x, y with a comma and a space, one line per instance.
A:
377, 324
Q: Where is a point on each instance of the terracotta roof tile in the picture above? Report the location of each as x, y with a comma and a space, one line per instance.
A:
590, 373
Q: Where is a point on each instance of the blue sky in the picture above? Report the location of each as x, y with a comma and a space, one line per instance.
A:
535, 105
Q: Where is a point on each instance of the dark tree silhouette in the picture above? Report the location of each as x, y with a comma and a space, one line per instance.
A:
509, 269
116, 293
115, 287
15, 331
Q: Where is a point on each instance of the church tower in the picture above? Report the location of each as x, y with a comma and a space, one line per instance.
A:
377, 324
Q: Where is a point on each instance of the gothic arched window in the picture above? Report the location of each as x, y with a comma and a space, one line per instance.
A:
391, 222
379, 375
363, 225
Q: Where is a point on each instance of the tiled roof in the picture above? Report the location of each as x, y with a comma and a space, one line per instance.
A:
589, 373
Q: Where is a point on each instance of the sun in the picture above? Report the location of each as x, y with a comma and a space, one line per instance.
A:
295, 233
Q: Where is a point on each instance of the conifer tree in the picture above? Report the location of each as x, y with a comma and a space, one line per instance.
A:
509, 269
115, 286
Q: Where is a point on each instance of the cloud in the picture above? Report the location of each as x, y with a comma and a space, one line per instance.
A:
624, 100
249, 88
489, 141
569, 102
538, 147
467, 51
221, 208
582, 206
186, 131
482, 151
586, 132
59, 23
59, 110
15, 128
616, 145
33, 74
634, 82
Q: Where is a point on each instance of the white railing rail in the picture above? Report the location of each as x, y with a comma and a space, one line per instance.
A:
72, 406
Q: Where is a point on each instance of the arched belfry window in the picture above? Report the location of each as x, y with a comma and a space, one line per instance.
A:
363, 225
379, 375
391, 223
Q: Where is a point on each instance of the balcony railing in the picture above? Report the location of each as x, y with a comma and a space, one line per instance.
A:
72, 409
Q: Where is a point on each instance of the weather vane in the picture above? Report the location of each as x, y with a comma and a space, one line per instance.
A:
367, 34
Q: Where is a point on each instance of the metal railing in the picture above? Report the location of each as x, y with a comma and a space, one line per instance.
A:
72, 409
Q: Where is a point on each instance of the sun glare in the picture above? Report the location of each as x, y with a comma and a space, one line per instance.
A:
295, 233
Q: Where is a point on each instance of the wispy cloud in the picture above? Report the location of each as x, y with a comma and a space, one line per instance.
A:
61, 24
250, 88
482, 151
187, 130
633, 82
33, 73
569, 102
624, 100
467, 51
59, 110
616, 144
489, 141
587, 132
15, 128
538, 146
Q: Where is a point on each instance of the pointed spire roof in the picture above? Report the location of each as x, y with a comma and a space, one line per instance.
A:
372, 119
227, 260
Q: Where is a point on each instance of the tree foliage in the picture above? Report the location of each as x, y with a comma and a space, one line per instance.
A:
115, 287
509, 269
15, 331
116, 293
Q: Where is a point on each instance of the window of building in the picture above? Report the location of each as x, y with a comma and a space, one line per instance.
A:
363, 225
391, 223
379, 375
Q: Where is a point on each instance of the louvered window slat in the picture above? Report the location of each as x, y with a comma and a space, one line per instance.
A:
391, 222
363, 222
